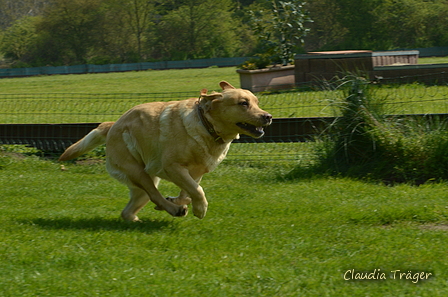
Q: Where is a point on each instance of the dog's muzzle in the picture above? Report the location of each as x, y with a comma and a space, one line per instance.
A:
256, 131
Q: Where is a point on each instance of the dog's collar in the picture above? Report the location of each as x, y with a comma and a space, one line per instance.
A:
218, 139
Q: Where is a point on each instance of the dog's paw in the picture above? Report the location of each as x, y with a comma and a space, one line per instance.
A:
175, 200
182, 212
130, 217
200, 209
171, 199
179, 201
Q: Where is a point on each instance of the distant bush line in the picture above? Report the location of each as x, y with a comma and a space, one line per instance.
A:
38, 33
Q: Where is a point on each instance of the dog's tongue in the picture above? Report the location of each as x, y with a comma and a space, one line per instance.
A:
259, 131
254, 131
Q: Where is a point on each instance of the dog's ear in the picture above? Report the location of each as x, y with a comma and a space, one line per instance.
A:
206, 99
225, 85
209, 97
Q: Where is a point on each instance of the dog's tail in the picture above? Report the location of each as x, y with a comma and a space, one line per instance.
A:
95, 138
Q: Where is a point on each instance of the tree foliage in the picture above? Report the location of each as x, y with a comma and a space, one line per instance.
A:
72, 26
64, 32
198, 29
18, 38
282, 28
377, 24
13, 10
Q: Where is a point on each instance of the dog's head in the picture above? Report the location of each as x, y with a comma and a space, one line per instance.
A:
235, 111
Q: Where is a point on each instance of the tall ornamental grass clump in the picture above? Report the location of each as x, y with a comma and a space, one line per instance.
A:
365, 142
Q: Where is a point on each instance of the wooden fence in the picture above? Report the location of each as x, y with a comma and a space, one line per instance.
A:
57, 137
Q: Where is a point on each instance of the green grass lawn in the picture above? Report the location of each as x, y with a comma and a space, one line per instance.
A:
262, 236
433, 60
104, 97
151, 81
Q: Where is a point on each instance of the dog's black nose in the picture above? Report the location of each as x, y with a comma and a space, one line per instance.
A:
268, 117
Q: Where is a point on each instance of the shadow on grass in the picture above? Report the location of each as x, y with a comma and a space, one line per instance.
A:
101, 224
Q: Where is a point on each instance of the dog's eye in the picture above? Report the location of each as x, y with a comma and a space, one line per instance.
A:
243, 103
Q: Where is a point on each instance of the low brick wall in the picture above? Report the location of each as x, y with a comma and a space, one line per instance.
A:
395, 58
425, 73
387, 65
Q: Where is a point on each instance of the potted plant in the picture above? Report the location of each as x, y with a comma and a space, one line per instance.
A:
280, 33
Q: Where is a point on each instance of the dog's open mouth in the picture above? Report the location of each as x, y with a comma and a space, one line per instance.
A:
252, 130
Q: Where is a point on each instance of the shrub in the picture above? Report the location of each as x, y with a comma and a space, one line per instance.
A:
258, 62
364, 142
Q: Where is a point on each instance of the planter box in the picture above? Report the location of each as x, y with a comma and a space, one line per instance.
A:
316, 66
325, 65
275, 78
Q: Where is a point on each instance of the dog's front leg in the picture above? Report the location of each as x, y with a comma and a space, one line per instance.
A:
182, 199
179, 175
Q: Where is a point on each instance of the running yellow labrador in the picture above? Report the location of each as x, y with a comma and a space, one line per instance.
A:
178, 141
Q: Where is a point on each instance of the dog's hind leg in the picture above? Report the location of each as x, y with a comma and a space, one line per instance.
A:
129, 171
138, 199
143, 188
143, 181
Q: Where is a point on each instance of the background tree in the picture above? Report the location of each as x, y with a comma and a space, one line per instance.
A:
289, 24
66, 32
326, 32
410, 23
281, 28
358, 18
13, 10
125, 31
438, 23
198, 29
116, 43
139, 12
72, 25
19, 38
